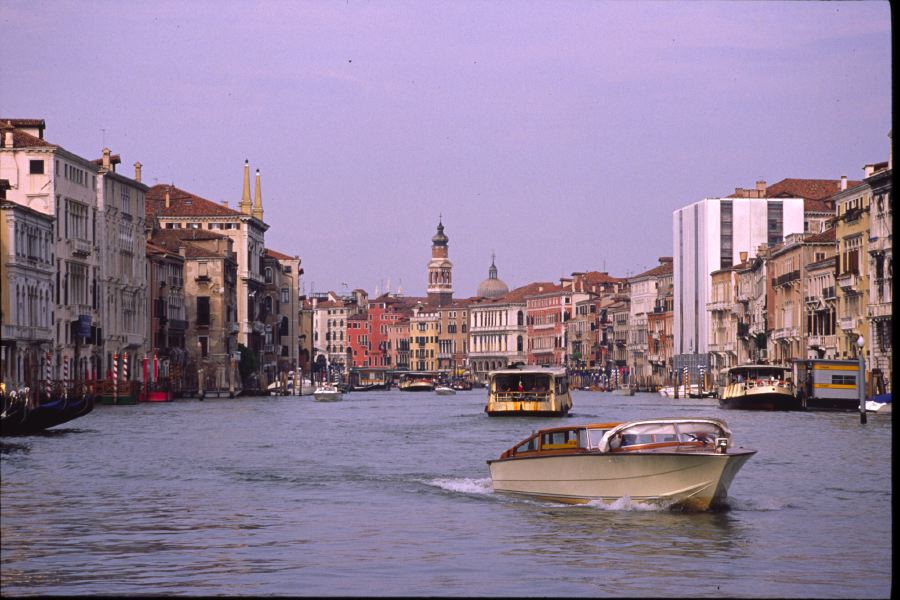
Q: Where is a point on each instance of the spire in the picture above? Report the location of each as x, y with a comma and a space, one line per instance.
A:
492, 272
245, 197
257, 204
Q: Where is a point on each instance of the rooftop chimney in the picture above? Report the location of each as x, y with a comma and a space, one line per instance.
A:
761, 186
843, 182
168, 202
8, 141
106, 159
137, 171
225, 203
743, 256
245, 197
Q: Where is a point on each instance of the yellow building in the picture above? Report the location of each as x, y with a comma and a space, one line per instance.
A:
852, 278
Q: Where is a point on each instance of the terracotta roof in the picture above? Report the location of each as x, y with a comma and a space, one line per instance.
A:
179, 235
22, 139
657, 271
183, 204
278, 255
24, 122
808, 189
595, 277
824, 237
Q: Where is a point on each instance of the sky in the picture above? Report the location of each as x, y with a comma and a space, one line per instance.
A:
559, 135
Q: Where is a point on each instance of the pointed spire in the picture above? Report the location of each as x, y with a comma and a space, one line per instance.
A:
245, 197
492, 272
257, 204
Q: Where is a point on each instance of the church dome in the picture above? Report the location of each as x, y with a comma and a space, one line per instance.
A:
440, 239
492, 287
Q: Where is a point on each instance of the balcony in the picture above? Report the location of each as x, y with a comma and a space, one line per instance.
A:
719, 306
848, 281
847, 323
80, 248
880, 310
822, 341
786, 333
786, 279
268, 348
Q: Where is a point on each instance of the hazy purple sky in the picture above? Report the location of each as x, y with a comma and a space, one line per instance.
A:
560, 135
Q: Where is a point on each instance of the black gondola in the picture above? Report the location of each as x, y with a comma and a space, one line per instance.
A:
18, 418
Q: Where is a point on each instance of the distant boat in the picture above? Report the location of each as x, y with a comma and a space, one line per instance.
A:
327, 392
416, 381
443, 390
880, 404
528, 390
624, 391
759, 387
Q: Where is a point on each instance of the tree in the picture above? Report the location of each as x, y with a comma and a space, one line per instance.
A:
249, 364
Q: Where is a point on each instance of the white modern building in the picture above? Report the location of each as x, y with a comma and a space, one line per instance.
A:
710, 235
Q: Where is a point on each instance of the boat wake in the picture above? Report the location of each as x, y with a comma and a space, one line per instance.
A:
465, 485
628, 505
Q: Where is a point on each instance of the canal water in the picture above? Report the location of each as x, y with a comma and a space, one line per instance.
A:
388, 494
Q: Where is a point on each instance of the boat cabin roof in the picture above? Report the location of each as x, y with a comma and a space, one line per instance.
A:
610, 437
758, 369
530, 369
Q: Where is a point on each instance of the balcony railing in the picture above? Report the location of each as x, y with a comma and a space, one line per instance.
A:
847, 323
718, 306
786, 278
822, 341
80, 247
847, 281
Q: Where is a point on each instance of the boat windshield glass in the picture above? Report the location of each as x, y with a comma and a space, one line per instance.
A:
699, 432
649, 433
524, 382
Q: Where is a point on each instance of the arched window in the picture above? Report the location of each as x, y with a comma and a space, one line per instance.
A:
520, 318
519, 342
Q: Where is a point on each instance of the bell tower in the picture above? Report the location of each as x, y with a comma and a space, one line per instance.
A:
440, 270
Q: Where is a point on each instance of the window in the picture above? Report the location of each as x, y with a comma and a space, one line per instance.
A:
204, 345
284, 296
203, 311
36, 167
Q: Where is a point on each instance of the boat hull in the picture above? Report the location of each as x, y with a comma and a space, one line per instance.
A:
45, 416
327, 396
691, 481
760, 397
417, 387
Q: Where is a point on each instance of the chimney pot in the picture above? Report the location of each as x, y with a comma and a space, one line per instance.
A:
137, 171
743, 256
168, 201
106, 158
8, 135
761, 185
843, 182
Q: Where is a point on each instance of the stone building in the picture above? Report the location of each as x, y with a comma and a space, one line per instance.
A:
122, 284
49, 179
27, 294
881, 268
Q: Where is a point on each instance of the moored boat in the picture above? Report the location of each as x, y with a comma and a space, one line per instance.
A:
679, 463
25, 415
444, 390
528, 390
759, 387
327, 392
416, 382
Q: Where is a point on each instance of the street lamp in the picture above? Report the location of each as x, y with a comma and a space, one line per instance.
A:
861, 379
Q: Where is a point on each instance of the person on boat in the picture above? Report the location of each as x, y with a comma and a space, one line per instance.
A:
520, 388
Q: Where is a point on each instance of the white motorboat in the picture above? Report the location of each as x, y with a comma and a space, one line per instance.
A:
528, 390
880, 404
443, 390
682, 462
327, 392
